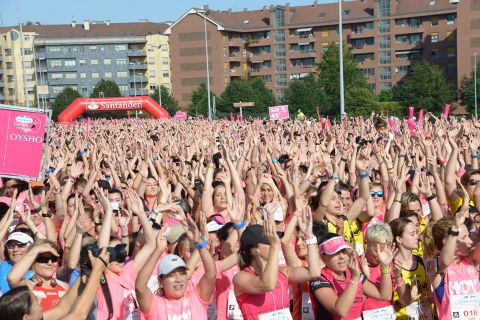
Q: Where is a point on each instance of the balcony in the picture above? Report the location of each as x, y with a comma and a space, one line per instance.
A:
407, 45
136, 53
366, 33
138, 78
60, 82
40, 55
363, 49
235, 42
1, 58
407, 29
258, 42
138, 92
302, 53
138, 66
2, 97
1, 72
2, 84
42, 69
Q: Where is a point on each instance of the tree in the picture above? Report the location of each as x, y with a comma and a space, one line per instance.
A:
168, 101
63, 100
360, 102
425, 87
108, 87
467, 91
307, 95
329, 76
385, 96
246, 90
199, 103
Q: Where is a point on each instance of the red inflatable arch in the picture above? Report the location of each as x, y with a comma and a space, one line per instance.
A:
81, 105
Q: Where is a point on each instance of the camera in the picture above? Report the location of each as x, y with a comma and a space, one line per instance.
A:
117, 253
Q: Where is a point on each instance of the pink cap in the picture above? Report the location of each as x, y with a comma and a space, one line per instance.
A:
333, 245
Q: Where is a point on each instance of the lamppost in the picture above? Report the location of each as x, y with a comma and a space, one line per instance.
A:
340, 31
27, 102
206, 55
475, 82
159, 77
134, 80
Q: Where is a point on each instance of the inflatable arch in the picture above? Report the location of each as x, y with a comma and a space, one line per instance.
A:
81, 105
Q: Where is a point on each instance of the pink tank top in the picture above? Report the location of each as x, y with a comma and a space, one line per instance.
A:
458, 295
254, 306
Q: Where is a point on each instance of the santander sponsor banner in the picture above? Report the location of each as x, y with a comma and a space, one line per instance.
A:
180, 115
278, 112
116, 104
22, 137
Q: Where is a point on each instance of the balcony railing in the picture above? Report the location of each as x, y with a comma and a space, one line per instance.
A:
138, 79
136, 53
138, 66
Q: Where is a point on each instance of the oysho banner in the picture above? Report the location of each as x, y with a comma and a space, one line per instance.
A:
278, 112
22, 135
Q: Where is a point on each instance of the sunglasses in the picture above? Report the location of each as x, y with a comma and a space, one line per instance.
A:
23, 230
46, 259
13, 244
473, 182
378, 194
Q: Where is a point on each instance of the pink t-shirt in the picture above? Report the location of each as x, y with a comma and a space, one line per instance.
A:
189, 307
458, 295
122, 290
379, 216
255, 305
376, 277
224, 294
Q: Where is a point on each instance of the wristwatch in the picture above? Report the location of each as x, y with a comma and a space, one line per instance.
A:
452, 232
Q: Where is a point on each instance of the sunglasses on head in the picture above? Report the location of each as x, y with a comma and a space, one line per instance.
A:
378, 194
46, 259
473, 182
13, 244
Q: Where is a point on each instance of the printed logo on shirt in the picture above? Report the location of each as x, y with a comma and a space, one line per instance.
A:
462, 286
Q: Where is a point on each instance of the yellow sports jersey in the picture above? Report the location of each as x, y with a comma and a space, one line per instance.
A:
352, 232
423, 225
421, 308
457, 203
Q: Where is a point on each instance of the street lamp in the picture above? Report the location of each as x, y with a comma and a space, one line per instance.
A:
340, 31
134, 80
27, 102
206, 55
475, 82
159, 77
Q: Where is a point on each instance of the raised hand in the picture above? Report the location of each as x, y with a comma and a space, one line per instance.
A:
353, 266
237, 213
386, 255
305, 223
270, 230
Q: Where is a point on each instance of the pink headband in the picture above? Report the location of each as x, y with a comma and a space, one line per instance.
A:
333, 245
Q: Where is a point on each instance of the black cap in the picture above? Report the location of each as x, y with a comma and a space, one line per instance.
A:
104, 184
252, 236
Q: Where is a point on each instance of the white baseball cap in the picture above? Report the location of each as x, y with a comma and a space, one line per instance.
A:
170, 263
20, 237
213, 226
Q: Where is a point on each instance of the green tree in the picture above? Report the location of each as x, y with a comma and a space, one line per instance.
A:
467, 90
305, 94
168, 101
63, 100
425, 87
199, 103
385, 96
360, 102
108, 87
329, 76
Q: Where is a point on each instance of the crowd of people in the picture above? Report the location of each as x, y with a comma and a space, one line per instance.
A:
146, 219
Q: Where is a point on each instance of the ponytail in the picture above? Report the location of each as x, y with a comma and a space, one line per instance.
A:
429, 248
440, 231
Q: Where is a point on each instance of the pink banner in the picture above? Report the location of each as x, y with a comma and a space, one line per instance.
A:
411, 111
420, 119
392, 125
180, 115
22, 136
278, 112
446, 111
411, 125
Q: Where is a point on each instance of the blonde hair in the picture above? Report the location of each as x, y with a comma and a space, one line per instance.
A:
440, 231
378, 233
429, 247
408, 197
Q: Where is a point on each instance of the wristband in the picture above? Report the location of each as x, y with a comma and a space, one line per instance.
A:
73, 179
275, 161
37, 210
124, 235
98, 224
47, 215
460, 172
82, 152
363, 174
385, 270
201, 245
355, 282
395, 200
343, 159
335, 176
433, 196
453, 232
311, 240
475, 156
297, 214
400, 283
239, 226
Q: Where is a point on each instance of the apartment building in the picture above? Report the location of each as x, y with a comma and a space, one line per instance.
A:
468, 36
282, 43
134, 55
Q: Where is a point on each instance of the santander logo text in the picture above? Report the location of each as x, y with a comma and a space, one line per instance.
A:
114, 105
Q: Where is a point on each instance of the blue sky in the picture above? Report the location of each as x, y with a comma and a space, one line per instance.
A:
62, 11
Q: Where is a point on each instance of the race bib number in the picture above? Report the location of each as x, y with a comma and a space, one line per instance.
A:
307, 310
212, 310
283, 314
465, 307
233, 311
385, 313
359, 248
420, 311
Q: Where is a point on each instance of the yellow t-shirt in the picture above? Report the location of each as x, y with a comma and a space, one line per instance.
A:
425, 303
457, 203
352, 232
423, 225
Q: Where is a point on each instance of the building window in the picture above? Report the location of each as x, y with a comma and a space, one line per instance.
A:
151, 73
122, 74
267, 78
360, 58
279, 35
56, 76
95, 75
56, 63
434, 21
120, 47
279, 50
385, 57
385, 73
123, 88
29, 77
11, 91
384, 26
28, 64
281, 80
451, 69
55, 49
9, 65
451, 52
10, 78
69, 63
368, 72
70, 76
84, 90
81, 62
280, 65
325, 32
107, 61
360, 43
57, 89
27, 51
451, 36
325, 46
121, 61
278, 18
165, 60
385, 86
94, 61
434, 37
451, 19
434, 54
280, 94
402, 69
401, 22
415, 23
384, 42
93, 48
165, 74
83, 75
151, 60
108, 74
384, 8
